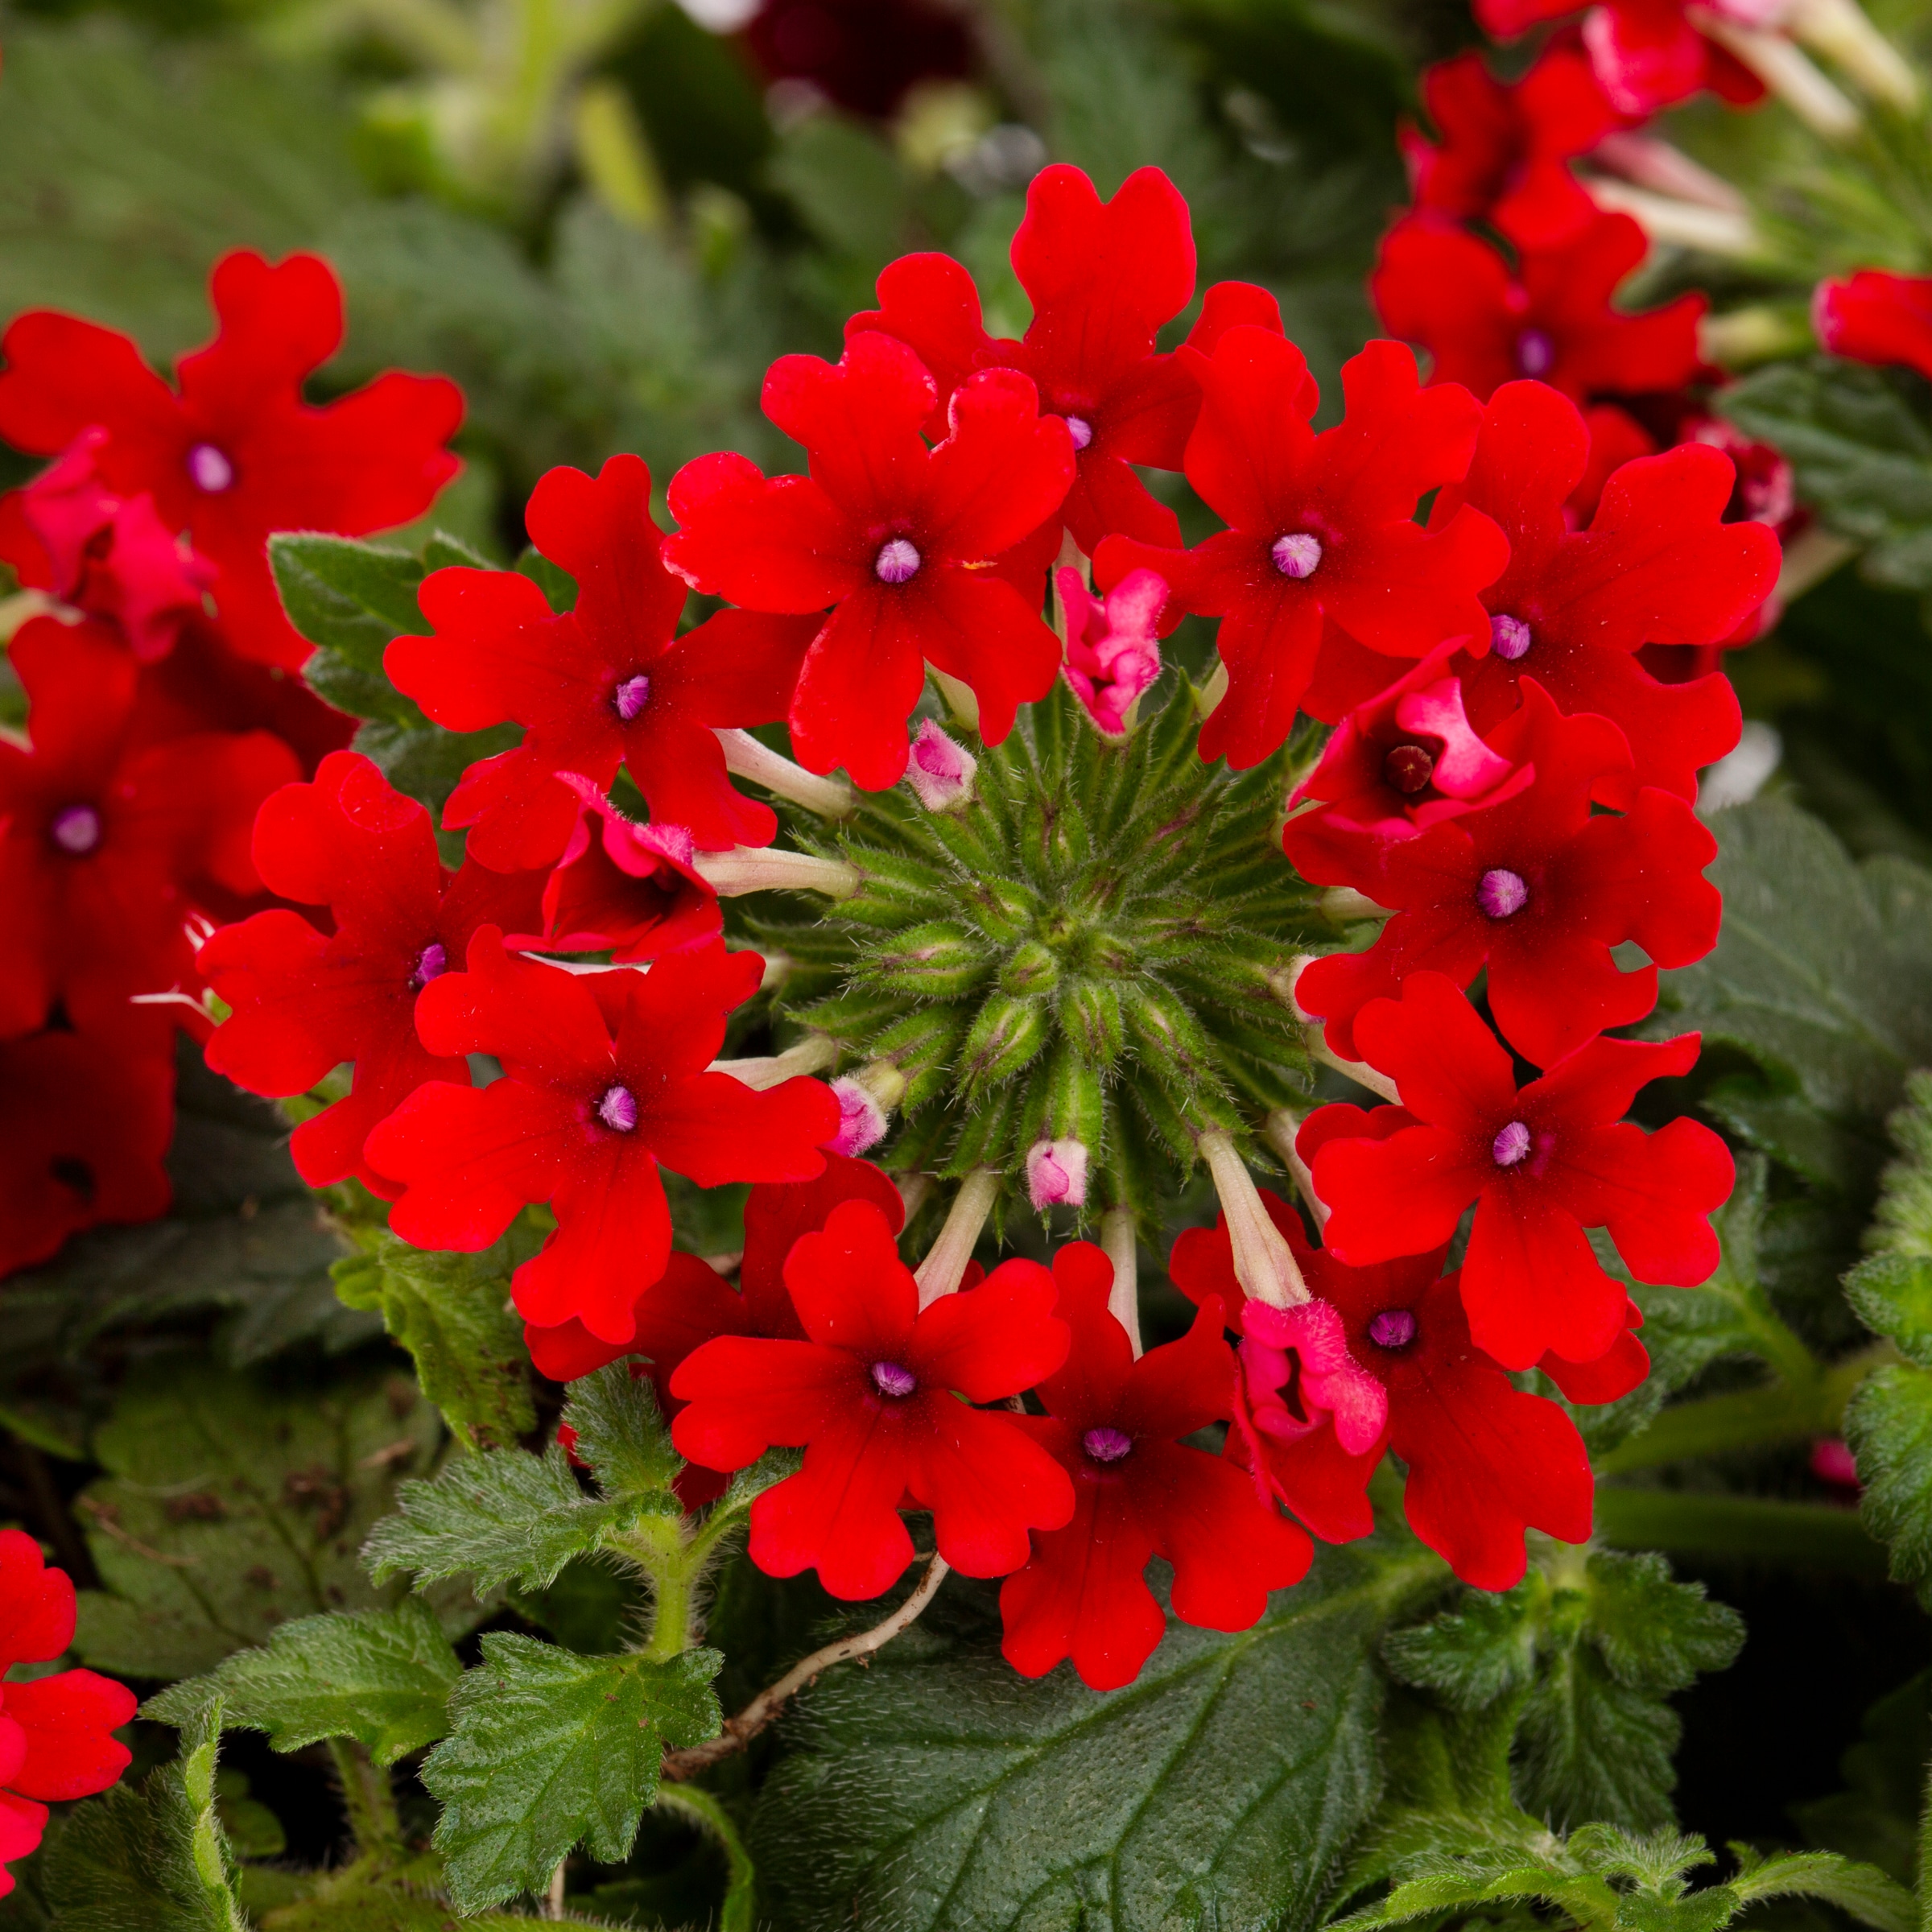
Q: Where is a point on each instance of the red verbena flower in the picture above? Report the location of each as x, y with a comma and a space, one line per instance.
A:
607, 682
604, 1077
622, 888
1541, 1165
57, 1732
105, 851
304, 1002
1872, 317
1657, 565
871, 1395
236, 453
107, 554
1448, 291
894, 536
84, 1123
1103, 277
1539, 890
1115, 1425
1503, 147
1320, 526
1646, 54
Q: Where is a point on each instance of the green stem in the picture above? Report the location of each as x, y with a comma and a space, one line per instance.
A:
658, 1547
1749, 1527
737, 1912
370, 1800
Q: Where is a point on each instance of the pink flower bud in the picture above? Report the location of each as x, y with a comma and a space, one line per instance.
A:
1056, 1173
1832, 1461
861, 1119
940, 770
1112, 651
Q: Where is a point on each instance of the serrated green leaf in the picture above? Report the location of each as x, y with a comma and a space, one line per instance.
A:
451, 1312
1591, 1747
1475, 1655
1892, 1295
506, 1515
231, 1506
381, 1677
156, 1858
931, 1792
1657, 1634
1864, 1891
620, 1433
1889, 1425
1902, 1222
1862, 450
548, 1749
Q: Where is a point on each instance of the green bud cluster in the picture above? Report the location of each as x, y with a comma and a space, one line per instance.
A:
1083, 949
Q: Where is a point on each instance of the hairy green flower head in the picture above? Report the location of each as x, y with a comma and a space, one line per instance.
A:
1085, 946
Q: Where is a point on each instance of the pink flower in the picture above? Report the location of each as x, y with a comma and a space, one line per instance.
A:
1112, 654
1300, 1355
939, 771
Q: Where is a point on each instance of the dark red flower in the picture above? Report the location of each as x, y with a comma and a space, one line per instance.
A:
894, 536
1539, 890
1872, 317
605, 1076
84, 1122
1657, 565
1503, 148
1451, 292
1115, 1425
304, 1003
1103, 277
109, 556
1540, 1165
104, 849
237, 453
609, 682
57, 1732
1321, 526
862, 54
1646, 53
870, 1395
622, 888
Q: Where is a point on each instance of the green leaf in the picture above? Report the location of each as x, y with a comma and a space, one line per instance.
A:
932, 1791
347, 597
1475, 1655
426, 762
230, 1507
548, 1749
1864, 1891
1874, 1818
382, 1677
1892, 1295
1822, 975
156, 1858
1862, 450
506, 1516
451, 1312
1902, 1222
620, 1433
1889, 1425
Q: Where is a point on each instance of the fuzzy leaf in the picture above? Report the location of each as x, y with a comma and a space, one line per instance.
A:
450, 1311
1889, 1425
1864, 1891
1874, 1818
230, 1507
931, 1791
155, 1857
504, 1517
1863, 452
548, 1749
382, 1677
621, 1434
1475, 1655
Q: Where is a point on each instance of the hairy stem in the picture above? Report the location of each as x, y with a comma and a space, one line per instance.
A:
369, 1799
764, 1708
811, 1054
769, 869
1264, 1264
738, 1913
1118, 1242
829, 798
945, 1260
1278, 1130
1758, 1527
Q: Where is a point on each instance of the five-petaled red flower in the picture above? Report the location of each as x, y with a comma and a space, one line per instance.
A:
871, 1395
105, 850
1873, 317
1541, 1165
236, 453
604, 1077
1657, 565
56, 1733
1115, 1425
1551, 320
304, 1002
1503, 148
1540, 890
1104, 276
1647, 54
1321, 526
895, 537
608, 682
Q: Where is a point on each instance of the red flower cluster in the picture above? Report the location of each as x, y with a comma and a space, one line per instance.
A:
57, 1732
158, 719
1647, 54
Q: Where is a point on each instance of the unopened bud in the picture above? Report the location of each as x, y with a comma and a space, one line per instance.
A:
1032, 968
861, 1119
1056, 1173
1006, 1035
939, 769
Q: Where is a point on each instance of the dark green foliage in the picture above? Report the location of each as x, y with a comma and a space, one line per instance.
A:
1876, 1817
933, 1791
